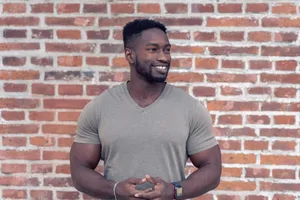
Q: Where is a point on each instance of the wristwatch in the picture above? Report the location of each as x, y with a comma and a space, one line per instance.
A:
177, 190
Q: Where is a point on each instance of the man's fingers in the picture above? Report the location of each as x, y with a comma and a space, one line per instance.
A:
136, 180
153, 180
148, 195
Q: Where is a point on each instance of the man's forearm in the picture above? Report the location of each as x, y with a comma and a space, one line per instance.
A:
201, 181
92, 183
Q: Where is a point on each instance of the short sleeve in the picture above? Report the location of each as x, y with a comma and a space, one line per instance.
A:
201, 135
87, 126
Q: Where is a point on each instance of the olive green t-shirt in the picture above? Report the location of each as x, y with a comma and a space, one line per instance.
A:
155, 140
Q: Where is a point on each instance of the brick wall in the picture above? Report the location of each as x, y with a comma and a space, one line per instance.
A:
240, 59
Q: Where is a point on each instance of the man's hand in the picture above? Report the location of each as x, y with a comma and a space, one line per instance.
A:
126, 189
162, 190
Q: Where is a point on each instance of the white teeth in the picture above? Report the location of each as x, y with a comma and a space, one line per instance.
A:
161, 67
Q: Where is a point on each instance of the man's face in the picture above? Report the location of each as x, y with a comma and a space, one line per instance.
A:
153, 57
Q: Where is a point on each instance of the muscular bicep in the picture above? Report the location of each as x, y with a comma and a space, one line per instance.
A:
83, 154
210, 156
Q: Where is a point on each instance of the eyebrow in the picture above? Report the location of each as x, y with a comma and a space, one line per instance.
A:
155, 44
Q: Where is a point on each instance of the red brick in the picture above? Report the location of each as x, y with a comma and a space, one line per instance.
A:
259, 36
70, 89
284, 8
42, 61
42, 8
230, 144
14, 61
19, 21
280, 78
42, 34
206, 63
284, 145
231, 78
110, 76
279, 160
65, 142
283, 197
280, 22
65, 103
14, 194
64, 47
63, 169
230, 119
18, 103
259, 90
285, 37
14, 141
230, 8
234, 132
41, 194
94, 90
238, 158
258, 119
69, 21
70, 61
68, 34
13, 115
176, 8
284, 173
14, 87
100, 35
202, 91
95, 8
227, 90
19, 46
260, 64
286, 65
231, 172
67, 195
231, 22
68, 8
202, 8
232, 105
59, 128
118, 8
183, 63
69, 75
232, 36
285, 92
277, 132
256, 197
18, 181
97, 61
68, 116
41, 168
187, 49
228, 197
19, 155
237, 185
229, 50
13, 168
42, 141
181, 35
269, 186
256, 145
41, 115
204, 36
55, 155
257, 7
111, 48
58, 182
14, 8
19, 128
12, 33
150, 8
44, 89
238, 64
185, 77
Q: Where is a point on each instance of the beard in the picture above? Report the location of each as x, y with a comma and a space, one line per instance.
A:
148, 74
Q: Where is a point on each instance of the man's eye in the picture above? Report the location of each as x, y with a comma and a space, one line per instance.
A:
152, 49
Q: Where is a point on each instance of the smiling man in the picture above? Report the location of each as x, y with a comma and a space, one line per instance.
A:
145, 130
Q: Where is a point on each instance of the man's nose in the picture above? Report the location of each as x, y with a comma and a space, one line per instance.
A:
164, 57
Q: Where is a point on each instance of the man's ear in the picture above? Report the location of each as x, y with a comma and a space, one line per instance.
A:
130, 56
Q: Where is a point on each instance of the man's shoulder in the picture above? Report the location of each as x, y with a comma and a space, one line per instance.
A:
181, 95
108, 95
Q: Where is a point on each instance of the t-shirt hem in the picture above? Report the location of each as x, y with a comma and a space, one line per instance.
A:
211, 144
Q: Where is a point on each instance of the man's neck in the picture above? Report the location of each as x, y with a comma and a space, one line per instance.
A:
140, 89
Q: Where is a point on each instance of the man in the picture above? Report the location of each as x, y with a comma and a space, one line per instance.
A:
145, 130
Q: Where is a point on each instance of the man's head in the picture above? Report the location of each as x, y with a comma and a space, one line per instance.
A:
147, 49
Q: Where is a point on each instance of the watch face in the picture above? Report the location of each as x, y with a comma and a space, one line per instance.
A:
179, 192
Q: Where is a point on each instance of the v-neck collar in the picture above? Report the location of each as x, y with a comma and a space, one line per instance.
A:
136, 105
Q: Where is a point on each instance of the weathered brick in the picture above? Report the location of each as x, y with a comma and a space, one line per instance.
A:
68, 8
150, 8
14, 87
14, 8
118, 8
13, 33
68, 34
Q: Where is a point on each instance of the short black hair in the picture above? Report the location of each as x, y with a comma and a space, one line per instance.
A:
134, 29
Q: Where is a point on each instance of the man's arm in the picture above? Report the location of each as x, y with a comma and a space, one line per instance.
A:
207, 176
84, 159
